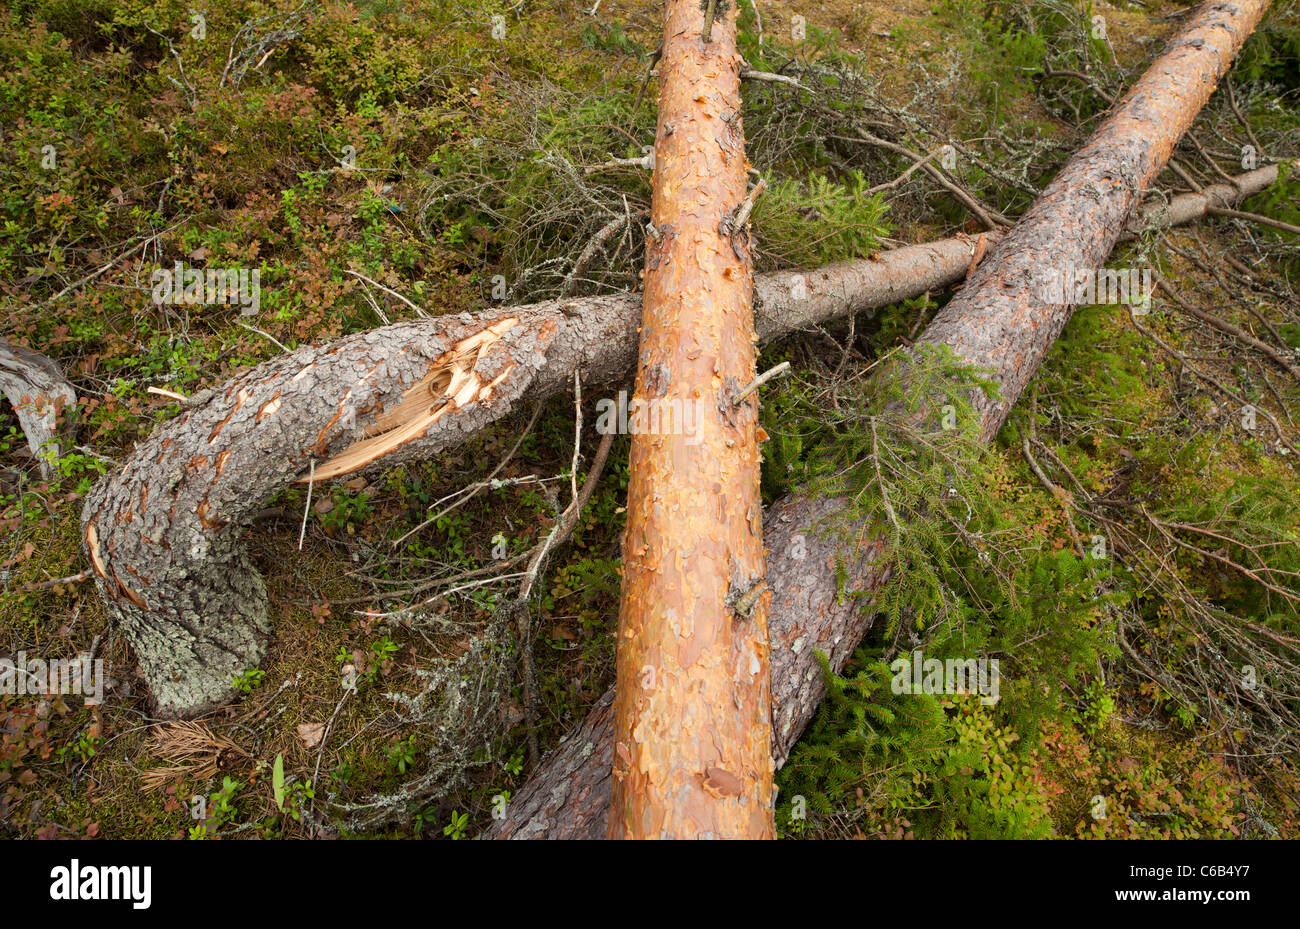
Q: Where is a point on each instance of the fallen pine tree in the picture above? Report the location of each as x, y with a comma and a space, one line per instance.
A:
162, 534
999, 322
176, 575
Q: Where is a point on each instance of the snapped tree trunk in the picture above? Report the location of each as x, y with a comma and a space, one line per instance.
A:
999, 319
692, 722
39, 393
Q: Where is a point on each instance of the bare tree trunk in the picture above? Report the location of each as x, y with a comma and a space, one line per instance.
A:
998, 320
692, 722
39, 392
178, 579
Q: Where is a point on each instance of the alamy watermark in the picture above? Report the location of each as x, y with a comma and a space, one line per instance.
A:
39, 677
658, 416
916, 674
76, 881
1103, 286
209, 286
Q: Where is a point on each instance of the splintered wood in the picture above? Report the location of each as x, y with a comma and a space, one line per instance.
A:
452, 383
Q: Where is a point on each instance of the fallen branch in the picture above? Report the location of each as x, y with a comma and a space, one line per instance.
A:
990, 218
1257, 219
766, 77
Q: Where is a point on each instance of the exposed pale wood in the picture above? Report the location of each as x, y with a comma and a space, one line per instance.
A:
450, 384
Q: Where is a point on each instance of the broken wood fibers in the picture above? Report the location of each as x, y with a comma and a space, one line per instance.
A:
451, 383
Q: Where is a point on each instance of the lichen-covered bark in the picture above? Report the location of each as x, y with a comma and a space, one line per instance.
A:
692, 745
565, 797
162, 534
1000, 319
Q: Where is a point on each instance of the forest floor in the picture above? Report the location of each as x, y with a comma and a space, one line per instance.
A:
1148, 691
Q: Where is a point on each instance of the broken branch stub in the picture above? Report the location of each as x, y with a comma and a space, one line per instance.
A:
162, 534
39, 394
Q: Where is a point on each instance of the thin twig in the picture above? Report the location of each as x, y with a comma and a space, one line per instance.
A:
655, 57
559, 534
388, 290
990, 218
1245, 123
766, 77
487, 482
57, 582
1254, 218
311, 482
778, 371
1224, 326
266, 335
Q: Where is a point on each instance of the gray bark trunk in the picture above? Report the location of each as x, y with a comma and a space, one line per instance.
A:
39, 393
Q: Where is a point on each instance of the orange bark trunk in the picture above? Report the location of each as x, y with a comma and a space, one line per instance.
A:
692, 710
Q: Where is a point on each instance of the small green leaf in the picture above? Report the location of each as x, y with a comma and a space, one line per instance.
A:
277, 782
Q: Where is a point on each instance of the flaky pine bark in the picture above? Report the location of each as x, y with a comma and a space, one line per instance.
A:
204, 607
568, 797
39, 393
692, 722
